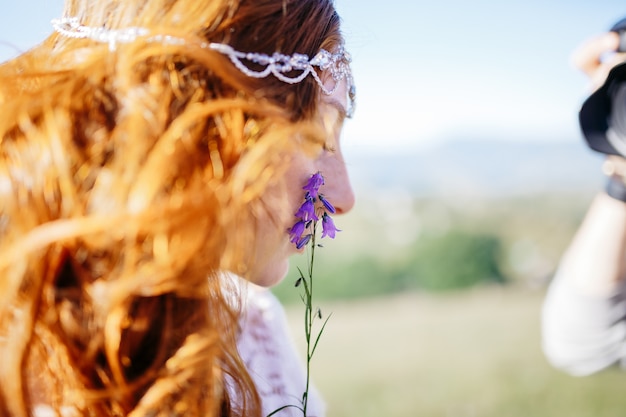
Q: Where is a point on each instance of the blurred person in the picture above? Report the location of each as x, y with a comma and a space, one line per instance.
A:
584, 312
150, 151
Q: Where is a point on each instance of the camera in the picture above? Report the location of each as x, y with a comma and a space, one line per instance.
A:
602, 116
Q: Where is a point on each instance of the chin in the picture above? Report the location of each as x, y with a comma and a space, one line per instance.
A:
272, 274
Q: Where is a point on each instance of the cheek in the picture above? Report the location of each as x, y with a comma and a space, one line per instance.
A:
280, 203
302, 169
283, 199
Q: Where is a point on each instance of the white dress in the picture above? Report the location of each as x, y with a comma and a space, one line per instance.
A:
268, 351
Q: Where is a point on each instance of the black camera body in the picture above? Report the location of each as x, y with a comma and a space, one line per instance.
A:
602, 116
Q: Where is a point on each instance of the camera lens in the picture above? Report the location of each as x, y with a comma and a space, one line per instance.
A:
602, 116
616, 132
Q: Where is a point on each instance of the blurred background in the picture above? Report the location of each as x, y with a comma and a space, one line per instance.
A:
471, 178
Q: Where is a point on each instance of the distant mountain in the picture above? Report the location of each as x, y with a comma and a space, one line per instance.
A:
484, 167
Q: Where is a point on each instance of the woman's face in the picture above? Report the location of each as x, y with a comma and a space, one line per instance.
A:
273, 245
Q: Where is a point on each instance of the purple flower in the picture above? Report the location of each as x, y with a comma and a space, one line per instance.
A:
314, 184
305, 239
328, 227
327, 204
307, 210
306, 214
296, 231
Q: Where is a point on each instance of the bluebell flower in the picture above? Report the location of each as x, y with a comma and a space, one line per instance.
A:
314, 184
303, 232
307, 210
307, 217
305, 239
328, 226
295, 233
327, 204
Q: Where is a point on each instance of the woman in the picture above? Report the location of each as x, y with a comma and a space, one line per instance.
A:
147, 148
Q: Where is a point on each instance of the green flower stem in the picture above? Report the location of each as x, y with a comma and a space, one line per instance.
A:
308, 216
308, 327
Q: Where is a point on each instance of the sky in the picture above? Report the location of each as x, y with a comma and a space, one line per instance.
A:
428, 72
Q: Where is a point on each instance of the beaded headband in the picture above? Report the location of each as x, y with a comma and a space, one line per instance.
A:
277, 64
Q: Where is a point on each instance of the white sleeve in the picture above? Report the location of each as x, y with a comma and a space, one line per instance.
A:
583, 334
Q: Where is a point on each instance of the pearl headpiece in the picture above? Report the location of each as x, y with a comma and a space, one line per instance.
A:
277, 64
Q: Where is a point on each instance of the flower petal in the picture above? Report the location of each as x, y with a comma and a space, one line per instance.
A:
305, 239
328, 227
327, 204
314, 184
295, 233
307, 210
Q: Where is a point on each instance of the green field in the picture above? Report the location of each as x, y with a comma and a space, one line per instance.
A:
399, 346
469, 354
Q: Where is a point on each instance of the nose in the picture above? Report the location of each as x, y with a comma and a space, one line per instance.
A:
337, 187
